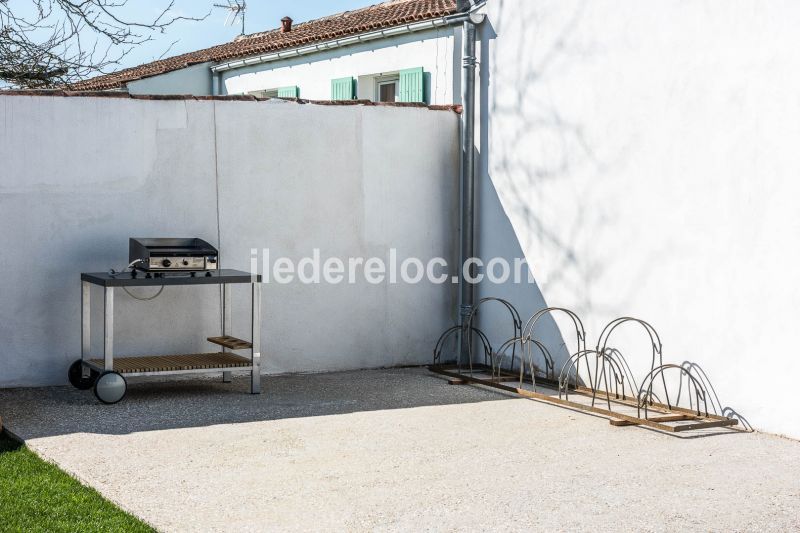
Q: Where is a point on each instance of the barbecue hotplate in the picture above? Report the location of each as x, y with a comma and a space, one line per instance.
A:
172, 254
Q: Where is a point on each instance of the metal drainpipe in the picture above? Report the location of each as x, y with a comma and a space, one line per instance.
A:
467, 177
216, 83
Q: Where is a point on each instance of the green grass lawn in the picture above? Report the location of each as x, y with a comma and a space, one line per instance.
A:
37, 496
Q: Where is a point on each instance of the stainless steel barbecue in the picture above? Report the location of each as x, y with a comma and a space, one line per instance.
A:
170, 254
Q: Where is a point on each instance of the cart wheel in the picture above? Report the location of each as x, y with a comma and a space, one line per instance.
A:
76, 378
110, 387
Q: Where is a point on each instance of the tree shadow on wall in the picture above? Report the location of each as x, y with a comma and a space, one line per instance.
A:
524, 120
530, 152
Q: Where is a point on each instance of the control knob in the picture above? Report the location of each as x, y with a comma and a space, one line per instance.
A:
166, 262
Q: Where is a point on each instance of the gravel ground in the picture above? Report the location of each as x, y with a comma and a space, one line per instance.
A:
398, 450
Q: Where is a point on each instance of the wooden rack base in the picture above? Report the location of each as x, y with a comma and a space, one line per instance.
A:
671, 420
175, 363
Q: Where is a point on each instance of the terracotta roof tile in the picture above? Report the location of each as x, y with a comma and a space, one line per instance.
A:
379, 16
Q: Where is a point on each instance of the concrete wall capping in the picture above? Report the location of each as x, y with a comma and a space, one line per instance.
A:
227, 98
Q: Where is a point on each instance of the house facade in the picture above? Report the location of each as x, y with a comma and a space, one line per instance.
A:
397, 51
415, 67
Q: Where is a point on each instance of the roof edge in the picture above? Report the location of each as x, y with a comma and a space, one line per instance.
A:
340, 42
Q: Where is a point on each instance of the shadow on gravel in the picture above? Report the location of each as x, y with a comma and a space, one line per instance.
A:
182, 403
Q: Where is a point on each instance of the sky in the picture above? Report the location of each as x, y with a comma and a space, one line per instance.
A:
261, 15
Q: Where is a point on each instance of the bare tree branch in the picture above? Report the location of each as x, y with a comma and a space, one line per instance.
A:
60, 42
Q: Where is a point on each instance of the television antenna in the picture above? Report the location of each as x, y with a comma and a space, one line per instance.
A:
236, 10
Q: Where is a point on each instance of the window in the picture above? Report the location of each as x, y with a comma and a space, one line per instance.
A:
386, 88
407, 85
281, 92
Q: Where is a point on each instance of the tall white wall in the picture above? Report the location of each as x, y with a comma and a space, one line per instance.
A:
82, 175
432, 50
646, 157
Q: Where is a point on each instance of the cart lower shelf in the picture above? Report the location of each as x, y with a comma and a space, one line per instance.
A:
163, 364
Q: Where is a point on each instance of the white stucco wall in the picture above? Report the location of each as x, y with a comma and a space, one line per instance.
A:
645, 155
432, 50
194, 80
82, 175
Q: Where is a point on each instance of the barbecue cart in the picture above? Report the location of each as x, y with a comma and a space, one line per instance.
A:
107, 375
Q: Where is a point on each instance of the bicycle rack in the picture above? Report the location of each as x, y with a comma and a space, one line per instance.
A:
609, 379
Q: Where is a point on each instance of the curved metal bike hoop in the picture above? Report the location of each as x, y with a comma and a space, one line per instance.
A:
517, 324
549, 362
502, 352
580, 332
531, 323
567, 366
437, 351
612, 359
655, 340
617, 355
700, 374
647, 383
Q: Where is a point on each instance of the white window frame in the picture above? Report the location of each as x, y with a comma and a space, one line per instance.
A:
386, 79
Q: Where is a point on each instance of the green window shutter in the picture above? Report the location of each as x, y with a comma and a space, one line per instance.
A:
411, 85
289, 92
343, 89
